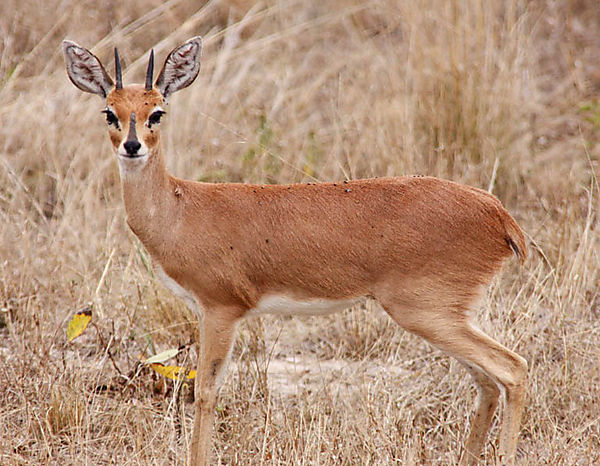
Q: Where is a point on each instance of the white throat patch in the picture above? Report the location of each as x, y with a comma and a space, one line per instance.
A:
129, 166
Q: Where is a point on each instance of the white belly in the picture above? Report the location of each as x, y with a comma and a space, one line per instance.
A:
272, 304
280, 304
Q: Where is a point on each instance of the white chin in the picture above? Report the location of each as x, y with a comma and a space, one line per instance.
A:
138, 156
129, 165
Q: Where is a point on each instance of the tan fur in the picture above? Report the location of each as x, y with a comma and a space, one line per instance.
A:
329, 240
134, 96
423, 247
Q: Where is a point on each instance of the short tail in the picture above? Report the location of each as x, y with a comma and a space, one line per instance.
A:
515, 237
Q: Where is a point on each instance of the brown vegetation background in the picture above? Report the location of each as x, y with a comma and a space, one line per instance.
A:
498, 94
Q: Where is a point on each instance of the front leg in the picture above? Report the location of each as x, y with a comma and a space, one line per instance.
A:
216, 337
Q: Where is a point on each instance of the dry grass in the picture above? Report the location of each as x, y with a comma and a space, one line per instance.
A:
500, 94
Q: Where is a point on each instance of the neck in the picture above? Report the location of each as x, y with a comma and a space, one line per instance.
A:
145, 194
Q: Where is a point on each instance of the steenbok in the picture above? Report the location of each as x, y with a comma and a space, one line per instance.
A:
424, 248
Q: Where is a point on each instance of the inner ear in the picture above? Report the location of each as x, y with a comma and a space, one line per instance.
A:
85, 70
181, 67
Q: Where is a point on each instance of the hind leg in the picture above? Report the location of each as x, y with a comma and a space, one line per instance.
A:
487, 402
491, 364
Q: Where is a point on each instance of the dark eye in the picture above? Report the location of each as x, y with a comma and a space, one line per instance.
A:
111, 118
155, 117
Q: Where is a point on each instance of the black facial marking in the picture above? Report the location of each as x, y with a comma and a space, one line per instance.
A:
111, 118
132, 136
155, 117
132, 145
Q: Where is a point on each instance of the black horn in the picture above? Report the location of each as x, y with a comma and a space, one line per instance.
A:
150, 71
119, 77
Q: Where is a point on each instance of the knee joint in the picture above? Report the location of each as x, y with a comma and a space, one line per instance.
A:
518, 377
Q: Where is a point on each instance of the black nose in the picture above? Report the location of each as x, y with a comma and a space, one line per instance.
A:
132, 147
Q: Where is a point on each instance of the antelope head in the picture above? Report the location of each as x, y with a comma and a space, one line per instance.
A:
134, 112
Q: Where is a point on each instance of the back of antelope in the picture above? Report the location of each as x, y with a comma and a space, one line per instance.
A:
424, 248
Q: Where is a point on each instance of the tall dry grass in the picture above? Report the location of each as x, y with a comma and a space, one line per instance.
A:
500, 94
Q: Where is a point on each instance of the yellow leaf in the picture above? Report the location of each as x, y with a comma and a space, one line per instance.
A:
191, 375
79, 323
162, 357
171, 372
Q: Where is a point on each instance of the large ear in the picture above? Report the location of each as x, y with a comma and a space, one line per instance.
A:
85, 70
181, 67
